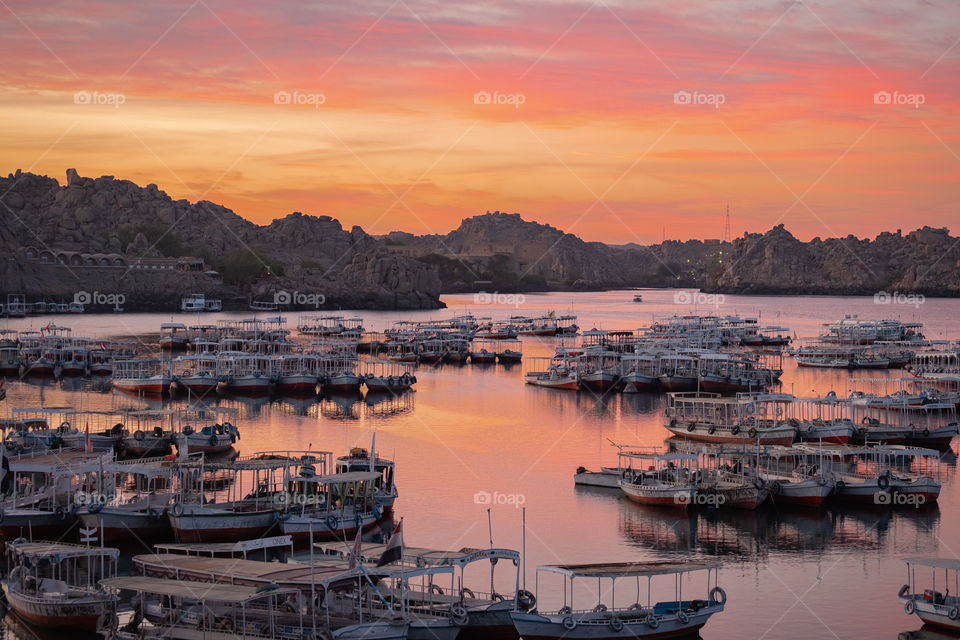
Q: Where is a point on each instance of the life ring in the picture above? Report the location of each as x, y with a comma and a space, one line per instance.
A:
177, 510
435, 588
107, 623
496, 597
954, 613
794, 422
212, 441
776, 487
653, 621
752, 432
616, 624
821, 481
904, 590
139, 435
636, 606
712, 429
331, 521
563, 610
682, 616
466, 593
883, 482
569, 623
526, 600
751, 409
64, 426
910, 607
600, 608
718, 596
832, 394
691, 426
735, 430
866, 420
459, 614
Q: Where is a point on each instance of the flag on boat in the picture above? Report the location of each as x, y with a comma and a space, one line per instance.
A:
394, 550
355, 556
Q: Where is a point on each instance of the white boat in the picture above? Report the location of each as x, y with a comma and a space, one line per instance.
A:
384, 488
313, 512
560, 373
387, 375
941, 610
653, 477
142, 376
709, 417
178, 610
173, 336
55, 584
675, 617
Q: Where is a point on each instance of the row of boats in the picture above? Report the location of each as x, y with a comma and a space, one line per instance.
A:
805, 475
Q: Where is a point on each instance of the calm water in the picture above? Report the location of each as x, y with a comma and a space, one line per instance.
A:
470, 429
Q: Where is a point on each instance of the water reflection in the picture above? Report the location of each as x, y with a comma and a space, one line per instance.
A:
758, 533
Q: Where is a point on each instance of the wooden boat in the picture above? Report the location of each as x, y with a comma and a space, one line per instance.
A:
605, 478
387, 376
256, 490
560, 373
940, 610
212, 438
173, 336
839, 431
329, 507
483, 351
598, 370
125, 502
41, 506
55, 584
384, 489
639, 372
177, 610
742, 420
656, 478
677, 617
142, 376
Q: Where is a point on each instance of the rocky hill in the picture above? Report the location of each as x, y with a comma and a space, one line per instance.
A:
924, 261
312, 256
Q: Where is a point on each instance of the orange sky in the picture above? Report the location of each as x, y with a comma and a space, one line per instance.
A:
598, 145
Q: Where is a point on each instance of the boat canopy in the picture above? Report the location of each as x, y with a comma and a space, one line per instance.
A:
59, 550
627, 569
951, 564
203, 591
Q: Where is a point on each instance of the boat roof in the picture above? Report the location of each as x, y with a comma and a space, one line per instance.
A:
349, 476
59, 550
229, 593
952, 564
226, 547
627, 569
422, 556
172, 325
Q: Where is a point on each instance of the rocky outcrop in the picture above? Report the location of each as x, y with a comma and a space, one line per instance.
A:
105, 215
924, 261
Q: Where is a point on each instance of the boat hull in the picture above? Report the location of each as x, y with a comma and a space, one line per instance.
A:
198, 525
115, 525
532, 626
55, 614
781, 436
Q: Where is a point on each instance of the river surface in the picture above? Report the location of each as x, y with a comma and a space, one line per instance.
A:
471, 432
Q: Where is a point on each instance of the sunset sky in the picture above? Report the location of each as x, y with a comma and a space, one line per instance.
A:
587, 136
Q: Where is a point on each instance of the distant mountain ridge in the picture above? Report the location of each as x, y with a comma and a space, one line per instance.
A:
311, 255
315, 255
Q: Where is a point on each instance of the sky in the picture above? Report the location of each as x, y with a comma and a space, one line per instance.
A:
620, 121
